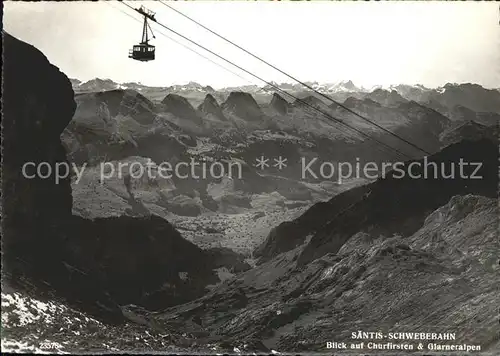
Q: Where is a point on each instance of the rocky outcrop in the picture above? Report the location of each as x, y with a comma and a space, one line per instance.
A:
244, 106
210, 106
94, 264
471, 131
181, 107
279, 104
118, 102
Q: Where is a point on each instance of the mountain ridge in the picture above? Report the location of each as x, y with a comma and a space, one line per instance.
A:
345, 85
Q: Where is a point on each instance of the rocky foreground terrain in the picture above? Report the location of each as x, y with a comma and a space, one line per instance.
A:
271, 262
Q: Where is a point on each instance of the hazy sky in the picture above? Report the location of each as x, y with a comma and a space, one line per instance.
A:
370, 43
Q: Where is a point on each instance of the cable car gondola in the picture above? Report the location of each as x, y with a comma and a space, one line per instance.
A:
144, 51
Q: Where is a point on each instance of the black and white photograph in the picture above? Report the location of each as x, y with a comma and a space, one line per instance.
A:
250, 177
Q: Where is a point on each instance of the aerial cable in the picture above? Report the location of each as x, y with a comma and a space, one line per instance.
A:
297, 80
205, 57
183, 45
275, 87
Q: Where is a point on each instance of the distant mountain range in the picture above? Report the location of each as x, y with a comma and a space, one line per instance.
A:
450, 99
346, 86
107, 84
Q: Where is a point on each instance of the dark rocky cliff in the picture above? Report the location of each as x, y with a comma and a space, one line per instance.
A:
37, 105
95, 265
279, 104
